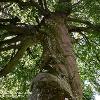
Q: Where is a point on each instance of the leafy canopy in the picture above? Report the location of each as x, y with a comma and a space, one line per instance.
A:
84, 28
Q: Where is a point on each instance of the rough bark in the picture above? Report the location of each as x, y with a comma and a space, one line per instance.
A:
46, 86
58, 60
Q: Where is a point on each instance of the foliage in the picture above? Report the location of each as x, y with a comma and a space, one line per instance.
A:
17, 84
87, 48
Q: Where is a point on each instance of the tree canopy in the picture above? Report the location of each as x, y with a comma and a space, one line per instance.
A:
22, 24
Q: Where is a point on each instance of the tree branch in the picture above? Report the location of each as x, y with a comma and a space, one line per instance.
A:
45, 4
30, 53
9, 47
10, 66
79, 21
75, 4
90, 26
11, 21
84, 29
41, 3
9, 41
78, 29
18, 29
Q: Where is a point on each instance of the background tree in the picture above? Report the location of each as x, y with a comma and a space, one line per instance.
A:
49, 28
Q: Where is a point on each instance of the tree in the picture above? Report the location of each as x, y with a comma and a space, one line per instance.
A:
54, 24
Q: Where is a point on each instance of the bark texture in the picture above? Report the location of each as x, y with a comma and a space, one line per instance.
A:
58, 64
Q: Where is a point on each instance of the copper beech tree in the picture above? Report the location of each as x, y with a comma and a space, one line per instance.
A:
53, 27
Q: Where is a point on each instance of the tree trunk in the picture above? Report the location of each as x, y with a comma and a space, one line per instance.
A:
59, 78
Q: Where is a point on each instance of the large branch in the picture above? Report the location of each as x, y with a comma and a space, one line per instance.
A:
26, 42
10, 66
90, 26
9, 20
9, 47
18, 29
12, 40
78, 29
83, 29
79, 21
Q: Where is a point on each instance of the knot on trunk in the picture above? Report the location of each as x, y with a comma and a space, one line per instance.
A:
46, 86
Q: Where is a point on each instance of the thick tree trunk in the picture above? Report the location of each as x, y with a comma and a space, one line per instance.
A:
59, 62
